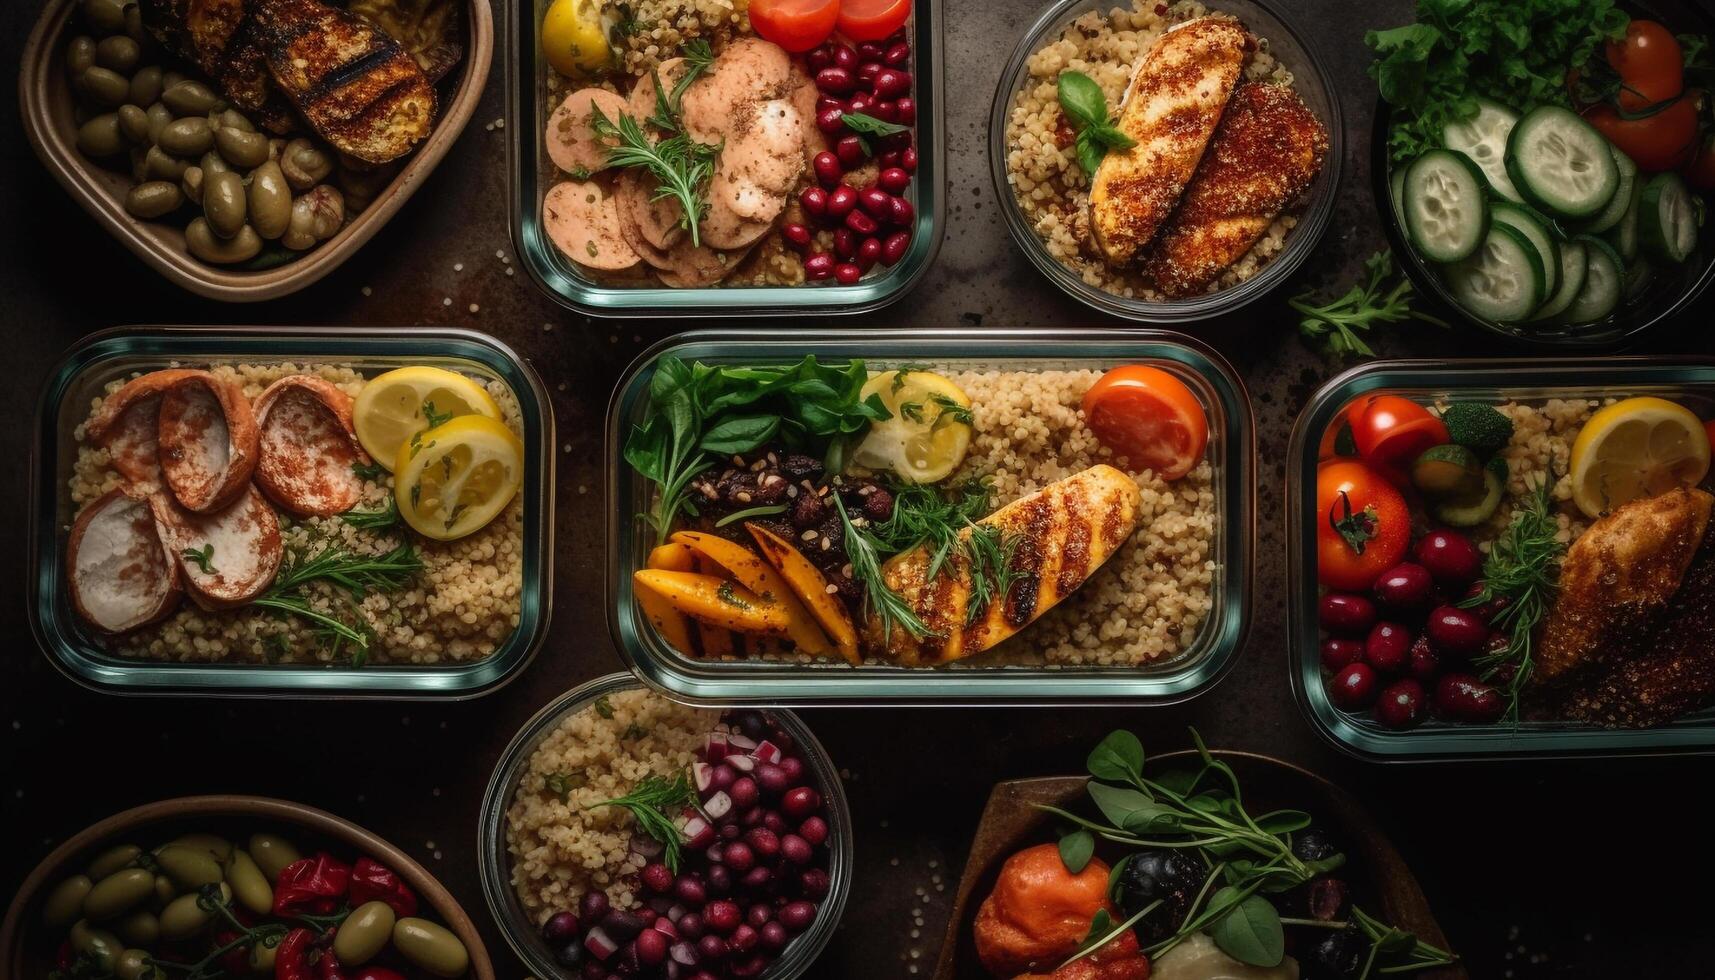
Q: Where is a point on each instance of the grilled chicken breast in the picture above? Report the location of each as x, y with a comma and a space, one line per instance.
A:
1617, 576
1171, 110
1064, 532
1267, 150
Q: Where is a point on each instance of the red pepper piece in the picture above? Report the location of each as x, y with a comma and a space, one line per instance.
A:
236, 960
328, 968
311, 886
376, 973
291, 959
372, 881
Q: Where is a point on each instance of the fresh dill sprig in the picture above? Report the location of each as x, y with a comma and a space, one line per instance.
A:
653, 805
680, 165
925, 515
888, 606
988, 556
1522, 567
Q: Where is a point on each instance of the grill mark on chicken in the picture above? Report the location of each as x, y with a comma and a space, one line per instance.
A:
1075, 552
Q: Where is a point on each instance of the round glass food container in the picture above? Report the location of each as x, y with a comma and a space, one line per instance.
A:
495, 863
1310, 79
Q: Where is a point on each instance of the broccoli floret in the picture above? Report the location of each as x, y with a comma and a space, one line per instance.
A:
1480, 428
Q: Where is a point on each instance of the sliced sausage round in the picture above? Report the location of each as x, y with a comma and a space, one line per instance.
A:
308, 447
208, 440
582, 219
571, 137
762, 159
227, 557
120, 573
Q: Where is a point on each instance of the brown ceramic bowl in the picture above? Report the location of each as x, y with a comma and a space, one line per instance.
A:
24, 952
47, 106
1010, 823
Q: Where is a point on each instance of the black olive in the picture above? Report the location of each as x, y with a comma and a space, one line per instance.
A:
1339, 955
1170, 876
571, 954
1313, 844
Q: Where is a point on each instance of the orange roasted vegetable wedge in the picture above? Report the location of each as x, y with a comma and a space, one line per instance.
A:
715, 601
672, 557
668, 621
812, 587
715, 642
761, 578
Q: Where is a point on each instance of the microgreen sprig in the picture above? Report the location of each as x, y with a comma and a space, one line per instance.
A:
650, 804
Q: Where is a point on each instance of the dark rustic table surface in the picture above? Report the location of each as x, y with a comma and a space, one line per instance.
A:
1536, 869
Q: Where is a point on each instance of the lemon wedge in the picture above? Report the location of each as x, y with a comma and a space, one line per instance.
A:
1637, 448
574, 38
453, 479
397, 405
929, 433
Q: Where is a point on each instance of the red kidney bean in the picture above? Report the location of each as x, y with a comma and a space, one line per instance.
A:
1401, 704
1466, 698
826, 102
875, 200
900, 212
1346, 613
815, 203
868, 254
796, 235
831, 120
1457, 632
861, 223
845, 244
869, 51
885, 110
841, 200
818, 265
827, 167
1338, 654
862, 103
1353, 688
846, 274
1405, 587
888, 160
820, 57
891, 83
897, 56
894, 141
867, 73
837, 80
850, 150
1450, 557
893, 247
845, 57
906, 111
908, 159
1425, 664
1388, 647
893, 180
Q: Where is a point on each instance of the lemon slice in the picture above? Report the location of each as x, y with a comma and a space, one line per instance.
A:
1637, 448
454, 478
930, 430
574, 38
397, 405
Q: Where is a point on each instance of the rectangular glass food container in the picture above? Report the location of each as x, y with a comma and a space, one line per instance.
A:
103, 357
527, 164
1232, 448
1689, 380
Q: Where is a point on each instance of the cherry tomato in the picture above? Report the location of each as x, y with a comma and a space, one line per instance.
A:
1149, 417
1650, 63
796, 25
1660, 141
1395, 430
1337, 437
1363, 526
871, 20
1701, 174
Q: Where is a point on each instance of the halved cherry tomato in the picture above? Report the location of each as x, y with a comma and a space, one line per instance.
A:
1395, 430
1149, 417
796, 25
872, 20
1650, 63
1363, 525
1660, 141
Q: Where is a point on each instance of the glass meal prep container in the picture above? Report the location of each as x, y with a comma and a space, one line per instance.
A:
80, 377
1231, 449
1689, 381
531, 173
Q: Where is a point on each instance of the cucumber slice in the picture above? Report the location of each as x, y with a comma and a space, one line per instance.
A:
1502, 280
1561, 164
1447, 471
1396, 193
1535, 228
1602, 283
1573, 263
1445, 215
1667, 223
1624, 236
1639, 275
1616, 208
1473, 510
1483, 141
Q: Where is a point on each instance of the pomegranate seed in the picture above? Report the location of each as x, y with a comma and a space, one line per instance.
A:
906, 110
908, 159
796, 235
827, 168
845, 57
657, 878
818, 265
798, 916
847, 274
841, 200
814, 830
837, 80
845, 244
868, 253
814, 200
895, 141
897, 56
861, 223
721, 916
890, 83
831, 120
893, 180
901, 213
850, 150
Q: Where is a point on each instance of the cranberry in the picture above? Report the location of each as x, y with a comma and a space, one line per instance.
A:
657, 878
1405, 587
1346, 613
1450, 557
721, 916
905, 111
797, 916
743, 791
893, 247
848, 273
753, 816
819, 57
887, 159
718, 880
831, 119
901, 213
1337, 653
814, 830
751, 967
814, 201
561, 927
814, 882
774, 822
891, 83
1353, 688
570, 955
739, 856
773, 934
897, 56
791, 765
796, 849
841, 200
593, 970
743, 938
845, 57
1466, 698
770, 777
801, 802
908, 159
622, 926
835, 79
868, 253
711, 947
875, 201
861, 223
845, 244
826, 102
756, 879
689, 890
798, 237
1401, 704
765, 842
1388, 648
593, 906
731, 831
651, 948
1457, 632
828, 172
702, 975
759, 915
893, 180
1489, 611
721, 778
1425, 665
850, 151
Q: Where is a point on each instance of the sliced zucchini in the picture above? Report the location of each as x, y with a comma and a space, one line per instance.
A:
1667, 222
1602, 283
1502, 280
1616, 208
1472, 510
1534, 227
1573, 263
1639, 275
1445, 214
1561, 164
1483, 141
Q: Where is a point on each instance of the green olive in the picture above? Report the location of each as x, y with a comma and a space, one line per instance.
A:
102, 947
119, 53
272, 854
213, 163
104, 16
65, 903
270, 201
304, 164
134, 124
118, 893
431, 947
364, 933
189, 98
186, 137
262, 954
242, 149
205, 245
100, 137
159, 117
164, 166
80, 55
146, 86
153, 199
140, 928
104, 87
246, 879
191, 185
231, 118
134, 28
133, 964
190, 867
139, 164
224, 202
217, 847
185, 917
164, 892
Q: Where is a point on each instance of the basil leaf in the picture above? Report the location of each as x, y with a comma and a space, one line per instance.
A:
1090, 153
739, 434
1251, 932
1082, 99
861, 123
1076, 849
1117, 759
644, 451
1111, 137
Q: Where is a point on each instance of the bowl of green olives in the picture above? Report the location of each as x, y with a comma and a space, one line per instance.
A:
235, 886
230, 204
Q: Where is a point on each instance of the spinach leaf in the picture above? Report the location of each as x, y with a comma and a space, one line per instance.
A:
1117, 758
1076, 849
1250, 931
739, 434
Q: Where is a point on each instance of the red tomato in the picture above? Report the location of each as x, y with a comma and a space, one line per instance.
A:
796, 25
1701, 174
1149, 417
872, 20
1661, 141
1395, 430
1363, 526
1650, 63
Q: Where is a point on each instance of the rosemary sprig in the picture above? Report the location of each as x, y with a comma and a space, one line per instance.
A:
946, 524
761, 510
652, 805
888, 607
374, 520
1522, 567
680, 165
358, 575
988, 558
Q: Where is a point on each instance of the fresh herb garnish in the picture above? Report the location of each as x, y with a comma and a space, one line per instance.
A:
887, 606
652, 805
764, 510
1087, 107
353, 575
951, 409
434, 418
202, 558
699, 58
680, 165
945, 523
604, 707
374, 520
368, 471
561, 784
1334, 326
1523, 568
863, 124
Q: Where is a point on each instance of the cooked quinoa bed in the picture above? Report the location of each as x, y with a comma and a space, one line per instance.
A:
560, 847
461, 607
1052, 191
1541, 447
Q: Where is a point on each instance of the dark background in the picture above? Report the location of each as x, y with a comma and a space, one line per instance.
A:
1538, 869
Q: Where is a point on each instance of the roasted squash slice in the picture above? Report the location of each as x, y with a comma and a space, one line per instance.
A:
672, 557
760, 577
812, 588
668, 621
715, 601
715, 642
